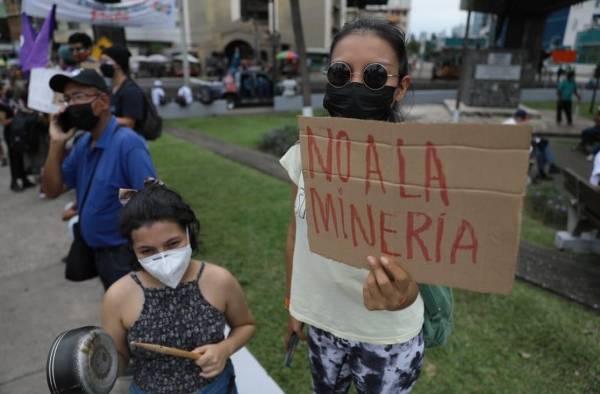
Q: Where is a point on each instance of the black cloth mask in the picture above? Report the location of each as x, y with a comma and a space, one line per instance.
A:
82, 116
107, 70
357, 101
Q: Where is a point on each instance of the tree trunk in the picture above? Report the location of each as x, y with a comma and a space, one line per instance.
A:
301, 48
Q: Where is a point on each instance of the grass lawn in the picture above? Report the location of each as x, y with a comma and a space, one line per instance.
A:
528, 342
584, 107
246, 130
243, 130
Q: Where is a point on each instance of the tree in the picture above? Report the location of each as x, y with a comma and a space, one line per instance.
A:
301, 48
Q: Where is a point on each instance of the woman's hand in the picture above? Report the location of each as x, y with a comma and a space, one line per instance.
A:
388, 286
294, 326
213, 359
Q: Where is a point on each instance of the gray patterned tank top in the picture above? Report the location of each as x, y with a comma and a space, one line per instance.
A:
181, 318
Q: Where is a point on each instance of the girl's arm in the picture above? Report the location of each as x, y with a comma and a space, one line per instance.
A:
113, 324
243, 326
289, 248
294, 326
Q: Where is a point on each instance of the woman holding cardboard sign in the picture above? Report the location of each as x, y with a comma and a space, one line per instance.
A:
364, 326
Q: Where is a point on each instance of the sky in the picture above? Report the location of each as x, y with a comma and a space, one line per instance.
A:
433, 16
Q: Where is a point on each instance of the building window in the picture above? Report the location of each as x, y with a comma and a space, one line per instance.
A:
255, 9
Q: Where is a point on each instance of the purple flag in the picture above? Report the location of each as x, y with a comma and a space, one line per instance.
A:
28, 36
36, 50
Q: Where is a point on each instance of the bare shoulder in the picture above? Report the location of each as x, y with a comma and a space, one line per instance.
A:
217, 274
121, 291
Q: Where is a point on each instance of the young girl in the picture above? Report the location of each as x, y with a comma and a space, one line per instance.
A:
364, 326
172, 300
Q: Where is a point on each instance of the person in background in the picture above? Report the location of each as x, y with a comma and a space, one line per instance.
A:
158, 94
107, 157
290, 86
595, 176
3, 158
184, 96
66, 61
567, 88
539, 149
80, 45
127, 100
173, 300
590, 138
19, 124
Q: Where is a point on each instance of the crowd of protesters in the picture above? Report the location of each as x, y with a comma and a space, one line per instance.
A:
96, 145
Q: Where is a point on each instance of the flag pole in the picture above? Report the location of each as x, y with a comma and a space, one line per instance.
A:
184, 44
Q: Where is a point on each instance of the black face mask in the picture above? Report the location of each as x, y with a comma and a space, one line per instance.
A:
107, 70
81, 116
357, 101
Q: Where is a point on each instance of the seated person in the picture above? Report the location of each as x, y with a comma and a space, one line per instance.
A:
173, 300
184, 96
595, 176
590, 138
540, 148
158, 94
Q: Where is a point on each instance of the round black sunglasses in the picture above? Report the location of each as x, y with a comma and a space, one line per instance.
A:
375, 75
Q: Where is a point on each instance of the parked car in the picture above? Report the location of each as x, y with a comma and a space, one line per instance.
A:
248, 87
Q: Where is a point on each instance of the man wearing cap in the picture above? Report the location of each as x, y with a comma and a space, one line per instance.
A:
107, 157
127, 100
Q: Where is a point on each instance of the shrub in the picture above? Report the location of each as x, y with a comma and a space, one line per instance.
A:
278, 141
547, 203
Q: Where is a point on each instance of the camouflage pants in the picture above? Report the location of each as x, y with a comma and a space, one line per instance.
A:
374, 369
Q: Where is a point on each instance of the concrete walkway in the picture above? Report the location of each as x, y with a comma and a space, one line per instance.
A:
37, 303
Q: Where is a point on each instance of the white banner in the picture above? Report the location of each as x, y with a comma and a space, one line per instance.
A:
139, 13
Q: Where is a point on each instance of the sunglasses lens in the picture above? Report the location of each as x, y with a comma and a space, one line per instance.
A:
375, 76
338, 74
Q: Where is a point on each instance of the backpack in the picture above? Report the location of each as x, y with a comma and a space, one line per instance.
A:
151, 126
23, 136
438, 322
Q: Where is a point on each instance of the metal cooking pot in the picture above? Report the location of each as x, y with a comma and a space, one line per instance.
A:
82, 361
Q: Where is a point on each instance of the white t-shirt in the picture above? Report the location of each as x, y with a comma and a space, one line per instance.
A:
595, 177
328, 294
186, 93
157, 93
289, 87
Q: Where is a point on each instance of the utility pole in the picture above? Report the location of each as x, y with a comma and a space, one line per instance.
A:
274, 37
300, 46
456, 115
182, 5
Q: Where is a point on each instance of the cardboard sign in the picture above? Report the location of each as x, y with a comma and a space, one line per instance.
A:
444, 199
41, 97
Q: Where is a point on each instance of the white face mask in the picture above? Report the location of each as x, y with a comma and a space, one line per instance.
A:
169, 266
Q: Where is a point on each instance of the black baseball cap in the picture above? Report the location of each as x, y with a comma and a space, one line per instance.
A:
86, 77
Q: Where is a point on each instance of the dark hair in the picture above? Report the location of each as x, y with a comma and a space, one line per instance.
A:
158, 203
387, 32
382, 29
81, 38
520, 114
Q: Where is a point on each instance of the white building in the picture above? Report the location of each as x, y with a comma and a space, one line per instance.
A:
582, 16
